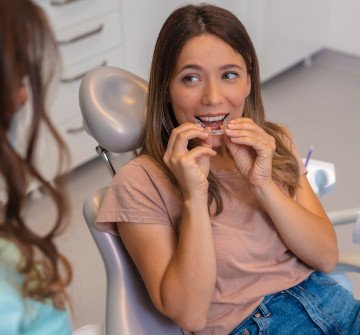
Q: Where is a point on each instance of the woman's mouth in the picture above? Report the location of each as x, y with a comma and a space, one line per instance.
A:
217, 124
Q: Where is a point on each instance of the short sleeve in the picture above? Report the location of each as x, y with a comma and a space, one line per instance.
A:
135, 195
24, 315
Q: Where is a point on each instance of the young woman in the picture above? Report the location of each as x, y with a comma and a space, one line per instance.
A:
33, 274
216, 210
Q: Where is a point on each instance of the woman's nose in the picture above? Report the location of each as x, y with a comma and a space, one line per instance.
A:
212, 93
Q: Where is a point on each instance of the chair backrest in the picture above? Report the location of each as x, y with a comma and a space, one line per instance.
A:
112, 102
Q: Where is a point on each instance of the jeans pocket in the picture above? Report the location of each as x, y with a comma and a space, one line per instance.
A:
248, 330
250, 326
323, 279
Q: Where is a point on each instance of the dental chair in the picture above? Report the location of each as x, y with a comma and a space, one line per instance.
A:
112, 103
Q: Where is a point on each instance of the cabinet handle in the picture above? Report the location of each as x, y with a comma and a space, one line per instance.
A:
61, 2
92, 32
75, 130
79, 76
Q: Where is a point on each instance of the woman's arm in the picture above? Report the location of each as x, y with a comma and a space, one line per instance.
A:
179, 271
302, 223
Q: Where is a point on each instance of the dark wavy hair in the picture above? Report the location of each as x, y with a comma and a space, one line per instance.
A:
28, 50
183, 24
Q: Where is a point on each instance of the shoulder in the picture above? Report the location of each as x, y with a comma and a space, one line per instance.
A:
10, 255
11, 304
144, 163
140, 170
14, 308
26, 315
140, 181
140, 192
10, 278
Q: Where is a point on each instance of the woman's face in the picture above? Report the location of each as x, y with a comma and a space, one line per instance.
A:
210, 83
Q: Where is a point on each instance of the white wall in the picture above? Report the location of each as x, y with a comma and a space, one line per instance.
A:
344, 26
142, 21
284, 33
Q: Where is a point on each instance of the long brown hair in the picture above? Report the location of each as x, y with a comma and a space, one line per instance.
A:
182, 25
28, 49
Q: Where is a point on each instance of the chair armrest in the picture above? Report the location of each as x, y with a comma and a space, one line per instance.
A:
349, 262
344, 216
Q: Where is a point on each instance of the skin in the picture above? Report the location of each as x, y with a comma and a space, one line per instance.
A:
211, 79
21, 96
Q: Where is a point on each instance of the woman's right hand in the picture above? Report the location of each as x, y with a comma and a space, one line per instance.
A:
190, 167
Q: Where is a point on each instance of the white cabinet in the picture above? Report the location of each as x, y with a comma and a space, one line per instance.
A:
89, 33
285, 32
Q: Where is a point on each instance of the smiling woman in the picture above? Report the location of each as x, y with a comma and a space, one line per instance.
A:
216, 209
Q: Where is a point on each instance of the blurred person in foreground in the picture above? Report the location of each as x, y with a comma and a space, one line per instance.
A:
33, 273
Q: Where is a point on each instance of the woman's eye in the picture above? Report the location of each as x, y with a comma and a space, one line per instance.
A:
230, 75
190, 79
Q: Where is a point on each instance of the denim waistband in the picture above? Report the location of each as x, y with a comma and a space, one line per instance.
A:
319, 305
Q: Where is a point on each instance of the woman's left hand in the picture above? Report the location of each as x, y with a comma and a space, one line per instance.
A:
252, 150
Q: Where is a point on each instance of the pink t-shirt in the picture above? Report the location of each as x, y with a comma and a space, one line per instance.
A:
252, 260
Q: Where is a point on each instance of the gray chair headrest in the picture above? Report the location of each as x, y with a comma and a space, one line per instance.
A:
112, 103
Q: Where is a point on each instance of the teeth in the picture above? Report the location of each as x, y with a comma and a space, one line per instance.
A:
211, 118
220, 131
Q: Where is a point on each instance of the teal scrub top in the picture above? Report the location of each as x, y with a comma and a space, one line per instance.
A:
25, 316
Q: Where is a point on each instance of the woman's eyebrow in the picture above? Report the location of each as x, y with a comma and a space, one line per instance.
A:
199, 68
190, 66
231, 66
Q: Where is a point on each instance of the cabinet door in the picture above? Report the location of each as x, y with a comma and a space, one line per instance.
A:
64, 13
90, 38
285, 32
66, 114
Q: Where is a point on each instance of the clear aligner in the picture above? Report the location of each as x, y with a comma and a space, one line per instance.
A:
215, 131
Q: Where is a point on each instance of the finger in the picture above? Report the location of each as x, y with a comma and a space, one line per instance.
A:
208, 141
193, 156
248, 130
199, 151
232, 133
196, 155
245, 123
178, 130
242, 120
262, 148
182, 139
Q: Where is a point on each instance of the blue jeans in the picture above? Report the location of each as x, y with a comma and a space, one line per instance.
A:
316, 306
